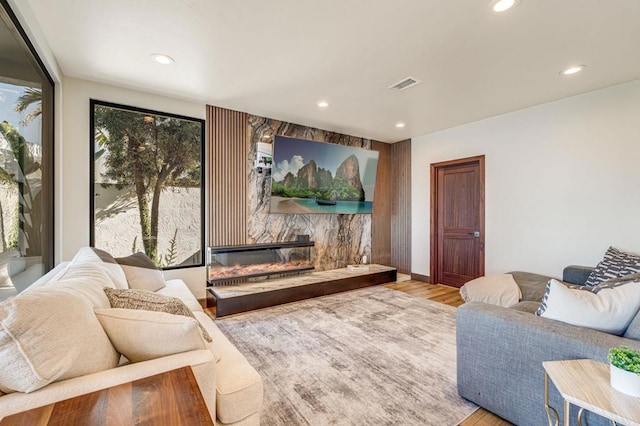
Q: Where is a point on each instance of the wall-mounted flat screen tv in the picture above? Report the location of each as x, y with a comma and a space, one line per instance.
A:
317, 177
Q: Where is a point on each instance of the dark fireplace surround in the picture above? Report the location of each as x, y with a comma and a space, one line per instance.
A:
231, 265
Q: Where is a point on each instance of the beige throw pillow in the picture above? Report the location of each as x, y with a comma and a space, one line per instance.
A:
47, 335
501, 290
141, 272
608, 307
149, 301
144, 335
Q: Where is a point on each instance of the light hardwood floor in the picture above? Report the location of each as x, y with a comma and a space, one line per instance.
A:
448, 296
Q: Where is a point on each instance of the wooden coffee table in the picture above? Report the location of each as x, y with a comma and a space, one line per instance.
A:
171, 398
585, 383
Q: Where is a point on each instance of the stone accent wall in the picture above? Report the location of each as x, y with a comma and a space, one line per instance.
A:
340, 239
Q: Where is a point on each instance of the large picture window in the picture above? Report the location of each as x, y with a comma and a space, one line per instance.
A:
26, 160
147, 187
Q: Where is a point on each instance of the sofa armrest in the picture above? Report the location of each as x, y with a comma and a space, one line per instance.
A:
17, 402
500, 353
575, 274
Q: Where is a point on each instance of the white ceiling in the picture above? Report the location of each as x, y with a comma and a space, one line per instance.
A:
277, 58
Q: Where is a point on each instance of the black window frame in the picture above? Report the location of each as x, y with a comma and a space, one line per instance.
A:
95, 102
48, 144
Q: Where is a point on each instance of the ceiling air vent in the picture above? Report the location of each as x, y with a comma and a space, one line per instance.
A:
405, 83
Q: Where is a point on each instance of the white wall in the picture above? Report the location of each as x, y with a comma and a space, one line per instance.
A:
562, 181
73, 199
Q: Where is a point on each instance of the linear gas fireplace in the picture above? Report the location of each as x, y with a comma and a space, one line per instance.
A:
236, 264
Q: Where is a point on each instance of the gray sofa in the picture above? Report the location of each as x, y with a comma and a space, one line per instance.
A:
500, 352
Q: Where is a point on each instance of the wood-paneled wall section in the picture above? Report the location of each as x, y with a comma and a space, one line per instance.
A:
227, 186
401, 206
382, 200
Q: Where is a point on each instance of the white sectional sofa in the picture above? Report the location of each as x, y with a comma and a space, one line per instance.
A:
231, 387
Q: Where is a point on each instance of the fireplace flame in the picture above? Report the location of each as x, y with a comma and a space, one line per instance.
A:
241, 271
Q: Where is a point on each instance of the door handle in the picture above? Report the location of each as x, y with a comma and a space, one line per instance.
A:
476, 234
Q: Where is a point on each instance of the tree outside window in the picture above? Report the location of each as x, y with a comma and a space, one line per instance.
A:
147, 187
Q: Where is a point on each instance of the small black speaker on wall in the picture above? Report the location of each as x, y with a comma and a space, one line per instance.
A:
302, 238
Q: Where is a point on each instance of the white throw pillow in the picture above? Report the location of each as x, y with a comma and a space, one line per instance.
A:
47, 335
141, 272
91, 258
143, 335
608, 308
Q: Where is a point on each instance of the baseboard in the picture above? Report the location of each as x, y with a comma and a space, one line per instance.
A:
419, 277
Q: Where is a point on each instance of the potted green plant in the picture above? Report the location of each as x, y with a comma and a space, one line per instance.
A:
625, 370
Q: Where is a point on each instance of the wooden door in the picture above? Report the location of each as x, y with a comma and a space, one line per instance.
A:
457, 221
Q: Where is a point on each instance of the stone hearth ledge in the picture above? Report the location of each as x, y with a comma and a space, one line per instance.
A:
225, 292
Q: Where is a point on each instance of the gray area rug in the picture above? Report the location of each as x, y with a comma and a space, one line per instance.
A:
368, 357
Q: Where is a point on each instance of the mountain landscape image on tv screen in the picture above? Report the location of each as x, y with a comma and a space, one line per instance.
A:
318, 177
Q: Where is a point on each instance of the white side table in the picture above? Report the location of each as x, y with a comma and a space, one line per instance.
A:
585, 383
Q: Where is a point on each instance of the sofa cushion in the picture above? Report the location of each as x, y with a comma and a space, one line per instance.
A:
239, 389
177, 288
150, 301
526, 306
615, 264
142, 335
608, 307
531, 285
48, 335
633, 331
141, 272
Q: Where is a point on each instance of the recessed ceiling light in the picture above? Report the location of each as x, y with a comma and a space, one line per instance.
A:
400, 125
572, 70
499, 6
323, 104
162, 59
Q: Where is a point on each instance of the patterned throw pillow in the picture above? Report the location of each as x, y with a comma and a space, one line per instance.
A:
150, 301
609, 307
615, 264
141, 272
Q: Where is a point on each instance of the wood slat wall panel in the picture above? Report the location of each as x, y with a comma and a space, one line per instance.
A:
227, 186
383, 199
401, 206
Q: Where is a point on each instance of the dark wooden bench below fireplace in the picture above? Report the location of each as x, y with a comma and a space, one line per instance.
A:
256, 295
